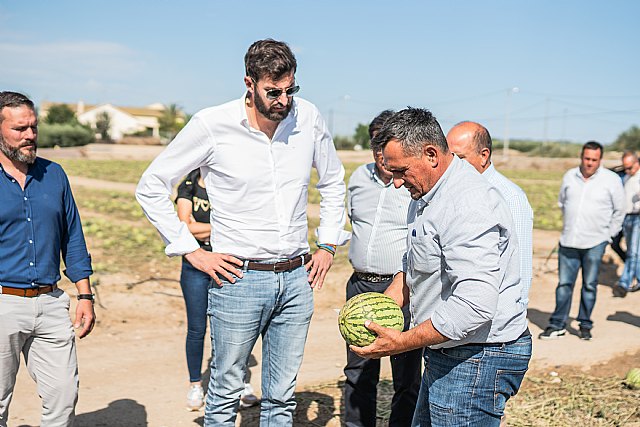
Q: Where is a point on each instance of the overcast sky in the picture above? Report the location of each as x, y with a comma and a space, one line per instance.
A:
558, 69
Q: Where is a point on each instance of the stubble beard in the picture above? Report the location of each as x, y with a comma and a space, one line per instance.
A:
16, 154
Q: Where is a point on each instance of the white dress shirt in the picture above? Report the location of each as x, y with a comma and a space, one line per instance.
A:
632, 193
593, 209
523, 220
378, 213
257, 187
462, 263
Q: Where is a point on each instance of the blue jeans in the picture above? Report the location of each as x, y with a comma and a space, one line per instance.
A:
469, 385
570, 260
195, 290
277, 306
631, 229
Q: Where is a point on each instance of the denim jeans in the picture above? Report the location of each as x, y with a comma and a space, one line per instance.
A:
277, 306
631, 229
570, 260
195, 289
469, 385
363, 375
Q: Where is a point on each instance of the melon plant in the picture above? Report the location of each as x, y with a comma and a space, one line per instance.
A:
632, 380
373, 306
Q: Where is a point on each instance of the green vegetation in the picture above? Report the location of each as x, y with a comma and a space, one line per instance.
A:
628, 140
64, 135
60, 114
117, 205
109, 170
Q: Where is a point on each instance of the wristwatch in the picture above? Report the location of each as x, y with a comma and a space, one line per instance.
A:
90, 297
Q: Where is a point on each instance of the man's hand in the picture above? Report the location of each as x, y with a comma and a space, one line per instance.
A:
318, 267
214, 263
388, 342
85, 317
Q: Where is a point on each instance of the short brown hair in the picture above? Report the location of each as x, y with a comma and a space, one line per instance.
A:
12, 100
269, 58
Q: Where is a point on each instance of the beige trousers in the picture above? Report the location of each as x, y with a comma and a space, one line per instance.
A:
40, 329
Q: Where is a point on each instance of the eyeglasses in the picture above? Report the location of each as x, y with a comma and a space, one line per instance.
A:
274, 94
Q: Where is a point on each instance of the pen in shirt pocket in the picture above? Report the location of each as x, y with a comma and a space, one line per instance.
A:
413, 232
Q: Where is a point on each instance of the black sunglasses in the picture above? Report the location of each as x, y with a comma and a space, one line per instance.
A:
273, 94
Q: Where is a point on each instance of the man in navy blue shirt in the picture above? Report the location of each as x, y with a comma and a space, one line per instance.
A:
38, 221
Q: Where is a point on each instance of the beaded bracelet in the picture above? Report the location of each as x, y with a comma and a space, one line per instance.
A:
327, 247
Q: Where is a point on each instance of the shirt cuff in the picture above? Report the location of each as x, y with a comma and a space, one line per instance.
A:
185, 244
333, 236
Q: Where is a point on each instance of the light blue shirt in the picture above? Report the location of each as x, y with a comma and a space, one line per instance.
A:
462, 265
378, 214
592, 210
522, 215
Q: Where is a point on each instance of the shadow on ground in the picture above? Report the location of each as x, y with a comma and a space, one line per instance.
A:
119, 413
625, 317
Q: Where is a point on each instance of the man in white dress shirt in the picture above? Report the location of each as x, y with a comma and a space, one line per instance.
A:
631, 225
592, 202
472, 142
255, 154
378, 213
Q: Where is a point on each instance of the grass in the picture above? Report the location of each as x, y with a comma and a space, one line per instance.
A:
109, 170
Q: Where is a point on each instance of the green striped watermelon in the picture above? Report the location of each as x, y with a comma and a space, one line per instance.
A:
373, 306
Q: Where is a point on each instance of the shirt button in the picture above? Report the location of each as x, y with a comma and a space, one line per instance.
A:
28, 219
30, 241
31, 264
25, 198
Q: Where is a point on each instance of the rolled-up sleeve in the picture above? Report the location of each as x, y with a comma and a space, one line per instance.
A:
190, 149
76, 258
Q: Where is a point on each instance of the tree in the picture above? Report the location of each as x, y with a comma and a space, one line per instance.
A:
361, 136
628, 140
103, 125
171, 121
60, 114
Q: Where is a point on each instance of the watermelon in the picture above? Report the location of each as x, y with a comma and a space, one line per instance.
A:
632, 380
373, 306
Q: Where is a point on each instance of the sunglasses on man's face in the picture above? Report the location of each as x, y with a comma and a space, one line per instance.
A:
273, 94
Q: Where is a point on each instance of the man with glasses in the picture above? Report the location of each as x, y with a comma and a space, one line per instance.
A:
592, 202
630, 226
378, 213
255, 155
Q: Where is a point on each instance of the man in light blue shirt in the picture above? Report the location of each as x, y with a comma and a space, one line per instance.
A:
461, 279
378, 213
472, 142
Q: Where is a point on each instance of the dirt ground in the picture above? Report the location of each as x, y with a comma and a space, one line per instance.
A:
133, 371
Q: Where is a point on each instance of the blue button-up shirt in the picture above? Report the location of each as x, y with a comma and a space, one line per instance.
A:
36, 225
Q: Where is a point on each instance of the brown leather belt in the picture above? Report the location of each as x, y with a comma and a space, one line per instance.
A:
373, 277
28, 292
281, 266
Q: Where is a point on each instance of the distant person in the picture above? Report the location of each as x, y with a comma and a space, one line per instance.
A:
194, 210
461, 279
631, 226
255, 155
39, 221
617, 239
378, 213
592, 202
472, 142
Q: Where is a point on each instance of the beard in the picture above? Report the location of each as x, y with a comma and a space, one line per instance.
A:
268, 112
15, 153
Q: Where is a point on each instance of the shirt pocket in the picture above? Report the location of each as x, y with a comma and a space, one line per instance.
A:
424, 254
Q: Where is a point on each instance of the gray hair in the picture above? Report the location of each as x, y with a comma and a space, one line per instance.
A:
414, 128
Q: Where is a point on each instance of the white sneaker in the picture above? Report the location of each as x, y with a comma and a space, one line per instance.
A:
195, 397
247, 398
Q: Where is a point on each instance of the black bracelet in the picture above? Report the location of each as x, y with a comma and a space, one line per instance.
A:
90, 297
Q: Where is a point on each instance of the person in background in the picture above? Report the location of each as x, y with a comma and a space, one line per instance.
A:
194, 210
39, 221
378, 213
630, 226
255, 155
592, 202
472, 142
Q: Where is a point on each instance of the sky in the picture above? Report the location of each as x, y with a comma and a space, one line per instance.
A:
543, 70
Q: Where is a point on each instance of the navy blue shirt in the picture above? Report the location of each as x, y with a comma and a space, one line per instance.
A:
37, 225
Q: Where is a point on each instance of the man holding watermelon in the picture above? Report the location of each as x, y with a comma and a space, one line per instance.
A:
460, 278
255, 154
378, 213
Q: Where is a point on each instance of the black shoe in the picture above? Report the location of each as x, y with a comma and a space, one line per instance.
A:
635, 288
552, 333
619, 291
585, 334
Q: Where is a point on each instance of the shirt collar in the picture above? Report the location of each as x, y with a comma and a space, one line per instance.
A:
456, 163
595, 175
373, 174
244, 119
489, 172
